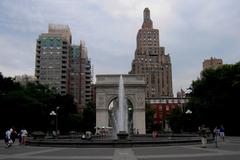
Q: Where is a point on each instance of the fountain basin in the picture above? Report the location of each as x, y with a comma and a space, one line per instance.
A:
130, 141
122, 136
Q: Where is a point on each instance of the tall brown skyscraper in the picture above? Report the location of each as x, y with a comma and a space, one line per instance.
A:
150, 60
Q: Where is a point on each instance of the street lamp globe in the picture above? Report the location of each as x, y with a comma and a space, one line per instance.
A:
188, 111
52, 113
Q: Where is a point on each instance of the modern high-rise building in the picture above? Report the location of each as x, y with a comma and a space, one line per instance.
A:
212, 63
25, 79
52, 58
63, 67
80, 76
150, 59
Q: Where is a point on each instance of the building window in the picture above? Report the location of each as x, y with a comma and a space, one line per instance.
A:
167, 108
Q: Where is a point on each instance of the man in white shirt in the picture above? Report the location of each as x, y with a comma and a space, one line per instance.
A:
8, 139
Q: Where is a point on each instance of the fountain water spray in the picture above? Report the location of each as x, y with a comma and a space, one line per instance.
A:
122, 114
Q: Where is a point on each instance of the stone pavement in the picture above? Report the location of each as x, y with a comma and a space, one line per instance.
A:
230, 150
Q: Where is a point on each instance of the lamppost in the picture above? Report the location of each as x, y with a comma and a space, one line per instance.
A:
55, 113
130, 121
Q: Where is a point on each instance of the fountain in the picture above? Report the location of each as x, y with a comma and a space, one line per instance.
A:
121, 120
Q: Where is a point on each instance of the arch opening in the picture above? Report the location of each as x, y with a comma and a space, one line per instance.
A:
112, 108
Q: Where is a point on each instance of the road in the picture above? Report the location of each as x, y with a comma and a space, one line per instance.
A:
230, 150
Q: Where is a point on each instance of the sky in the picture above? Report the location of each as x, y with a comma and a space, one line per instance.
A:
190, 31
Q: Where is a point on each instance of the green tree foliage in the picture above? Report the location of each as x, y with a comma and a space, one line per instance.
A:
30, 105
176, 120
149, 118
7, 84
89, 117
75, 122
214, 98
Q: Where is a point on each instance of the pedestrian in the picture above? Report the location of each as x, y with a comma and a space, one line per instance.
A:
20, 137
222, 132
88, 135
216, 134
204, 133
8, 140
154, 134
23, 135
13, 134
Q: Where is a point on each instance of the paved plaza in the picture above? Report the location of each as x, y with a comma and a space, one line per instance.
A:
230, 150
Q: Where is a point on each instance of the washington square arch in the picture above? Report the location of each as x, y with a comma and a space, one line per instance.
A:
107, 94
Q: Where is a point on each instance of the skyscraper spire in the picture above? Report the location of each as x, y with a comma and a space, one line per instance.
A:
147, 22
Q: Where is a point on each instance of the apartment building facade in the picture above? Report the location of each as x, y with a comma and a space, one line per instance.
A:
80, 76
62, 66
212, 63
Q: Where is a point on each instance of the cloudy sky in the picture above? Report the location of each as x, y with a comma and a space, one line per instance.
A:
190, 31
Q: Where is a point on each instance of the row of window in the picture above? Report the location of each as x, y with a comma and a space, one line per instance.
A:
148, 44
148, 39
51, 42
146, 59
51, 53
55, 60
55, 79
50, 47
145, 33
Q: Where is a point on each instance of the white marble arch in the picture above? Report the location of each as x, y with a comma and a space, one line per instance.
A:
107, 90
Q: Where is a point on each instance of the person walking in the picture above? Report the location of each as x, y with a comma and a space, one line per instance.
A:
8, 140
222, 132
23, 135
204, 133
154, 134
13, 134
216, 134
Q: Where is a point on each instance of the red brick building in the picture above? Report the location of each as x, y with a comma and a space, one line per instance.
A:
163, 107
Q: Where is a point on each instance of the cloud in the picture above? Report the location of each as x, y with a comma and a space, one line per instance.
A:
17, 57
190, 31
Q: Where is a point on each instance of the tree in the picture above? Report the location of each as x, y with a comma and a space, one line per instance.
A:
30, 105
89, 117
176, 120
213, 98
149, 118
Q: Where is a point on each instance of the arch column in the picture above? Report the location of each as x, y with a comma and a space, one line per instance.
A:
139, 112
101, 110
